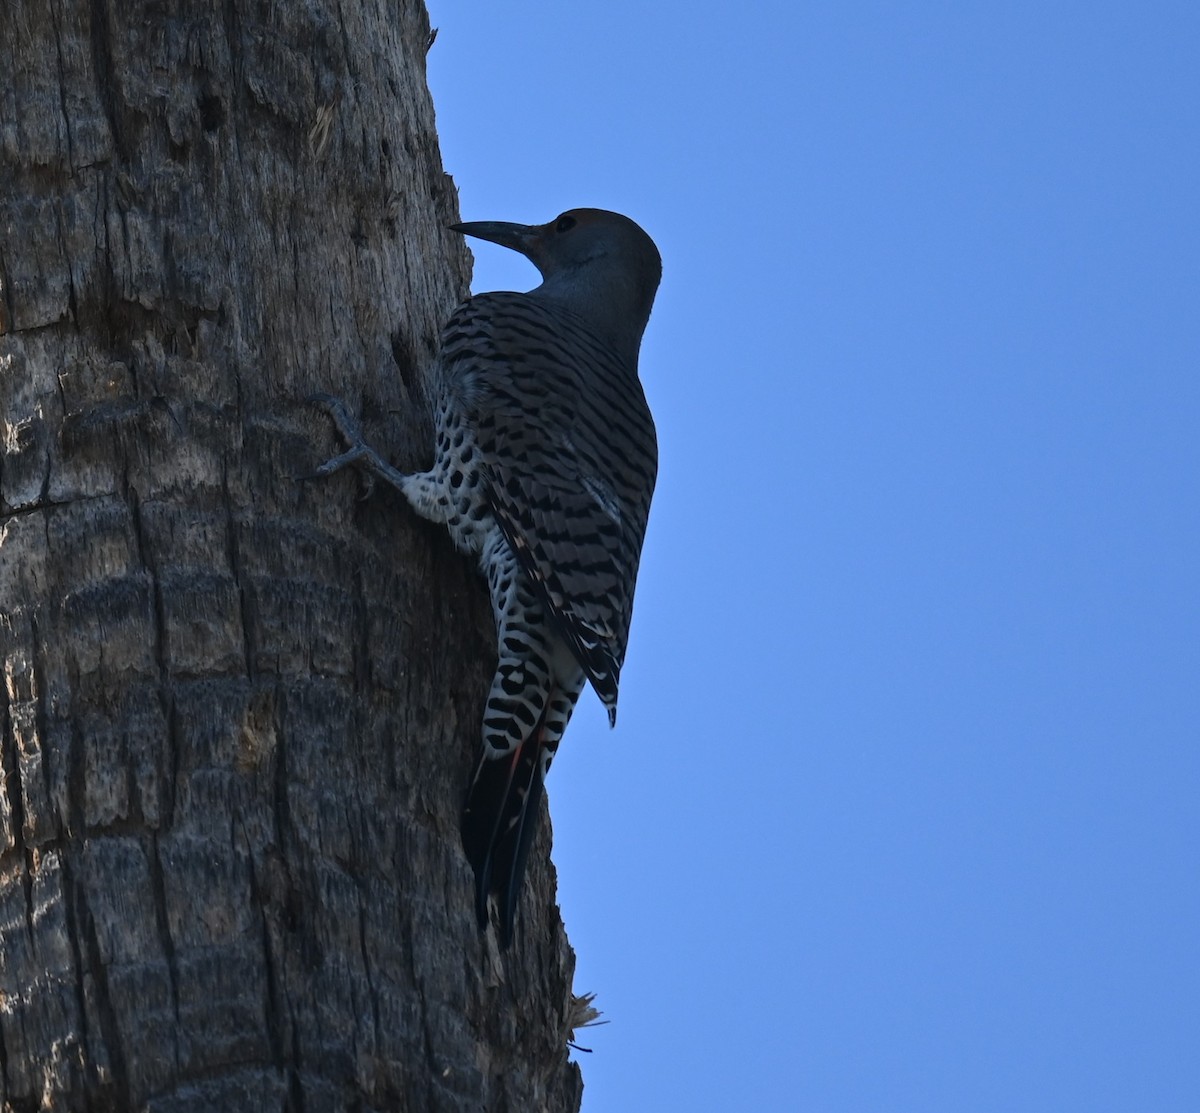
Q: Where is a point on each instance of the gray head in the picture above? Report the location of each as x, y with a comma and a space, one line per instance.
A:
600, 265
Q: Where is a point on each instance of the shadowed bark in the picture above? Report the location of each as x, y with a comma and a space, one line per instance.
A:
240, 710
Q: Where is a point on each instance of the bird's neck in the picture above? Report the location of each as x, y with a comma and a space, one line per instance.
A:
607, 301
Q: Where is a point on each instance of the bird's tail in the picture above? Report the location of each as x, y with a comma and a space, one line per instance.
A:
499, 822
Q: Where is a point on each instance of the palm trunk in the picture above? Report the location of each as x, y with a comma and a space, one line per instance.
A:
240, 710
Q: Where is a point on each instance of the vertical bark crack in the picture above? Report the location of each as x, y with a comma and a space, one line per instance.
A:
62, 84
106, 82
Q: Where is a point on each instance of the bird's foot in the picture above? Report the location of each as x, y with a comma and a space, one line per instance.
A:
358, 452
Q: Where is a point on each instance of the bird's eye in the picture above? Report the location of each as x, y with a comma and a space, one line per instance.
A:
564, 224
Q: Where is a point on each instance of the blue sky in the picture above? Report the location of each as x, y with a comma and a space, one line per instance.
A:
901, 810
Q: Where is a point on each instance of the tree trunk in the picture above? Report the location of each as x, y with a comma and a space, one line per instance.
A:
240, 710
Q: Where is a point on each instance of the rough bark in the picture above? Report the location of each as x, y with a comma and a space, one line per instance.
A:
239, 710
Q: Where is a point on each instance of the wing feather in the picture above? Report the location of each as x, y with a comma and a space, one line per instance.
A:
570, 453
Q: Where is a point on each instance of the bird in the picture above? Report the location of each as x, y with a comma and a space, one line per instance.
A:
545, 461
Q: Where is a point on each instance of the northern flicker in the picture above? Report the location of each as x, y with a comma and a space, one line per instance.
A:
544, 467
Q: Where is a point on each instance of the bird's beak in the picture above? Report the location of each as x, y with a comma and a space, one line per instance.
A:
518, 237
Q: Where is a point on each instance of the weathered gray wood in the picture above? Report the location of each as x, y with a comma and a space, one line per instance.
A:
239, 710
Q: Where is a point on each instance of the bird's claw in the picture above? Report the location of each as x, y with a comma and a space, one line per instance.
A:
351, 432
358, 452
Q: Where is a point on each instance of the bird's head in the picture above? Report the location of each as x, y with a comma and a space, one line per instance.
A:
600, 264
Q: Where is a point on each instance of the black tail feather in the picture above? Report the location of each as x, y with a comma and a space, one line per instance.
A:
498, 825
510, 888
480, 823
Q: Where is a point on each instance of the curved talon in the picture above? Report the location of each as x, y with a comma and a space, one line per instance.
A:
334, 464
